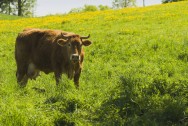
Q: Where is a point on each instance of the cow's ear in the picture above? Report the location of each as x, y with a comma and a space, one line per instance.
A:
61, 42
86, 43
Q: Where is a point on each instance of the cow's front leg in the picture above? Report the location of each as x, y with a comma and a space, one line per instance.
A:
57, 77
76, 78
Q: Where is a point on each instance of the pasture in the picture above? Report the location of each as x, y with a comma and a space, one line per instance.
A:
134, 73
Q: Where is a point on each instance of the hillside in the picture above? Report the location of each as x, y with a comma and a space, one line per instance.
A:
8, 17
135, 72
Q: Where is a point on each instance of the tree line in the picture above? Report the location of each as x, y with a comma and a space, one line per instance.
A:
17, 7
115, 5
26, 7
168, 1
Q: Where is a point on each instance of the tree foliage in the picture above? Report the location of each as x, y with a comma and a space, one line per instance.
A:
168, 1
17, 7
123, 3
87, 8
6, 6
103, 7
26, 7
90, 8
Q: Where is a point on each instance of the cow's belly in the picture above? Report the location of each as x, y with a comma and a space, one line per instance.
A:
47, 71
45, 68
43, 65
42, 62
32, 71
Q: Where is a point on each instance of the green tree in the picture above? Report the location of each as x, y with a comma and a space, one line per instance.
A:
168, 1
90, 8
17, 7
6, 6
123, 3
25, 7
102, 7
76, 10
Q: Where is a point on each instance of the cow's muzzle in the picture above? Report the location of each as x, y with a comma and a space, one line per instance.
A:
75, 58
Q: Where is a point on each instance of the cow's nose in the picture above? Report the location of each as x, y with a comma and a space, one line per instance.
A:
75, 57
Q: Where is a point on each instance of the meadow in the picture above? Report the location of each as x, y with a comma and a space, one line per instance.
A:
135, 73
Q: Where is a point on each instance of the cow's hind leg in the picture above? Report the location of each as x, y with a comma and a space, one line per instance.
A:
22, 78
22, 59
21, 73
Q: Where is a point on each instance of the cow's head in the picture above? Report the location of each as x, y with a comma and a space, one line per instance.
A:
73, 43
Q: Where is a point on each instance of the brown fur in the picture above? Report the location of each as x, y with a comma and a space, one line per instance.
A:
48, 51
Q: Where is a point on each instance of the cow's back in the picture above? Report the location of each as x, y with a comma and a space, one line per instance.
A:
36, 46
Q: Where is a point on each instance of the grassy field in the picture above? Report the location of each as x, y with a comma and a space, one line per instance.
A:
135, 72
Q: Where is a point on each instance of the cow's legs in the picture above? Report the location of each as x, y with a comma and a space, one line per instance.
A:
70, 73
57, 77
21, 77
76, 78
22, 58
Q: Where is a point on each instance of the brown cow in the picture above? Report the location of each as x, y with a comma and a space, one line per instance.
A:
49, 51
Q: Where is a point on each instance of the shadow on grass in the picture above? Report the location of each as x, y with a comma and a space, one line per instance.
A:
63, 121
130, 105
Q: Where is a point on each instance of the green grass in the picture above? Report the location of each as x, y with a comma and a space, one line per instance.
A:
135, 72
8, 17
